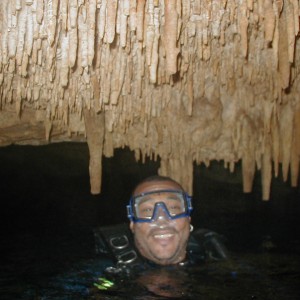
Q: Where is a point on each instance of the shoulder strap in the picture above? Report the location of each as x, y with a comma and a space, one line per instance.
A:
117, 241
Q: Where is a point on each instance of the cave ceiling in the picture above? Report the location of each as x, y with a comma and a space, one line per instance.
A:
187, 82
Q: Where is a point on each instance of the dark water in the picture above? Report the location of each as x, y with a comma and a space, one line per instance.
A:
47, 216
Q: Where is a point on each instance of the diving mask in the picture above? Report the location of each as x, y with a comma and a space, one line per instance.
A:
144, 207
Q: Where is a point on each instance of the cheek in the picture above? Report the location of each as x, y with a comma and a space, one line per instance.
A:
141, 230
183, 225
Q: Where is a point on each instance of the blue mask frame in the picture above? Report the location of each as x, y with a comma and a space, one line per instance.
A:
133, 218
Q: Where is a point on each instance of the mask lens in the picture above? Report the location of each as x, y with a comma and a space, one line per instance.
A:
174, 201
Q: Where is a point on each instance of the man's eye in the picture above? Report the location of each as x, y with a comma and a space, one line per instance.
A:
147, 211
174, 209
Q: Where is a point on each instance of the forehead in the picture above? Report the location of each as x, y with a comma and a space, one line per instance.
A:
156, 186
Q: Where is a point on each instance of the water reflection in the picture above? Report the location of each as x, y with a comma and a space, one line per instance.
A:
166, 283
234, 279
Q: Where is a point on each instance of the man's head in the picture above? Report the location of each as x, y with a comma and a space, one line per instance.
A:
160, 219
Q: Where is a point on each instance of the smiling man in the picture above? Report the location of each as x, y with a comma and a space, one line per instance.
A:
159, 213
160, 231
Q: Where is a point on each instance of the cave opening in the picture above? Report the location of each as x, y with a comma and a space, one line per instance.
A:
45, 190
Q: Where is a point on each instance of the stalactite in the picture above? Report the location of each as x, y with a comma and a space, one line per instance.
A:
12, 32
94, 124
52, 6
247, 140
266, 168
286, 136
111, 20
64, 14
125, 8
21, 36
283, 62
140, 19
73, 42
91, 30
269, 20
83, 36
117, 87
290, 25
295, 150
170, 36
243, 28
64, 68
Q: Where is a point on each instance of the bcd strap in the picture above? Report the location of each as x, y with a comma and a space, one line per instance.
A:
117, 241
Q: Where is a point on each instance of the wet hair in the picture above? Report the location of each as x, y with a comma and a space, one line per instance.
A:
160, 178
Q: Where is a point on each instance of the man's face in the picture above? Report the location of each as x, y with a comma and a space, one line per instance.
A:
163, 240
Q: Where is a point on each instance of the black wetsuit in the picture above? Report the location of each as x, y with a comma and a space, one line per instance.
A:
129, 271
117, 243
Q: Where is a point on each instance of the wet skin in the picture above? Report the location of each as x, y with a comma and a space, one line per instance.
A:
162, 241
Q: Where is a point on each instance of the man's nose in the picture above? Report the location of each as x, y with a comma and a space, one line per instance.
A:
161, 215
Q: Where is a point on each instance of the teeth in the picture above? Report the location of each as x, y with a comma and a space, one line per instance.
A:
163, 236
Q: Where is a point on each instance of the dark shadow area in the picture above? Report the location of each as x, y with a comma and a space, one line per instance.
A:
244, 218
47, 212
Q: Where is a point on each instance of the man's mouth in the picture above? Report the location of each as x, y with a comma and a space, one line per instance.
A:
163, 236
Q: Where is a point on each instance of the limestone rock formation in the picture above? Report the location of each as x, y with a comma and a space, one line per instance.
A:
187, 81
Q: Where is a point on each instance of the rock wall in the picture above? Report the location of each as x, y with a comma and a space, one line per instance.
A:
189, 81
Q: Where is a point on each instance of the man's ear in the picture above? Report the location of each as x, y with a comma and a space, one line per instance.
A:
131, 226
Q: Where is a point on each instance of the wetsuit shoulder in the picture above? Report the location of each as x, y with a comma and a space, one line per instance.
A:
205, 244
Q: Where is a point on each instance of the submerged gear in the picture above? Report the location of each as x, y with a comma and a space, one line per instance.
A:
117, 242
103, 284
144, 207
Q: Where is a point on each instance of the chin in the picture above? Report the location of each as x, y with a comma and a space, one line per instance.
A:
164, 248
167, 261
165, 255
